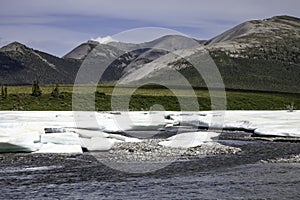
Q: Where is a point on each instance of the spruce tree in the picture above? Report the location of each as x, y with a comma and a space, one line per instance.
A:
36, 91
55, 92
4, 92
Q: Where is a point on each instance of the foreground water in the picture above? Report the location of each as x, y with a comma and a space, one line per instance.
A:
247, 175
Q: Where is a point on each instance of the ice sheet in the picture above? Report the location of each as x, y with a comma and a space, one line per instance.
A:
24, 129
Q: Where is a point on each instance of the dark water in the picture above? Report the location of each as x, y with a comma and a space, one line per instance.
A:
242, 176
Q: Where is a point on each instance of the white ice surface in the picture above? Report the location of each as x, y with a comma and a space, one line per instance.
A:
187, 140
61, 138
138, 121
23, 129
18, 141
122, 138
9, 147
89, 133
279, 131
267, 122
59, 148
280, 123
98, 143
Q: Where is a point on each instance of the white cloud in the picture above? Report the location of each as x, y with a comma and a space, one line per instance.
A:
104, 40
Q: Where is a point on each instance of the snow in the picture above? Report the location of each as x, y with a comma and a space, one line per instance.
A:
99, 131
45, 61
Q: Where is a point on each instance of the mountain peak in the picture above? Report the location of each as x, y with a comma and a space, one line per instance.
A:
92, 42
285, 17
81, 51
276, 27
14, 46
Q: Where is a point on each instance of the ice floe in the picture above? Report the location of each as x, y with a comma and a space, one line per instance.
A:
59, 148
284, 132
61, 138
89, 133
16, 140
98, 143
188, 140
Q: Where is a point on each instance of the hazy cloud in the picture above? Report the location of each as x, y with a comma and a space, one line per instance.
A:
171, 11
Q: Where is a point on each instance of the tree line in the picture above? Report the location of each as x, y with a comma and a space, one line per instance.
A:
36, 90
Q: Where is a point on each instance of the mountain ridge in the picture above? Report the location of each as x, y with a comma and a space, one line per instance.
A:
263, 51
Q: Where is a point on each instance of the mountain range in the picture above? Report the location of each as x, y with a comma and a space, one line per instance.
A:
255, 55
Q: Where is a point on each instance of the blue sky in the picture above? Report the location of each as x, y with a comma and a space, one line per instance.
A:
57, 26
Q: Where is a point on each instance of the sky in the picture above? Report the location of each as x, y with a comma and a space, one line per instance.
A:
57, 26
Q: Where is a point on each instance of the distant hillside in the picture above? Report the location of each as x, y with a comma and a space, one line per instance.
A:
261, 55
255, 55
277, 38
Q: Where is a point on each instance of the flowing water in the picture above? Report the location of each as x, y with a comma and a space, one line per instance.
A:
241, 176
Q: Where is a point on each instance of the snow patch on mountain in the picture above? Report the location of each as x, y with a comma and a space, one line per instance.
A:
44, 60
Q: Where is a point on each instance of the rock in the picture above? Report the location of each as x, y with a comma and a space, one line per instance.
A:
150, 150
54, 130
288, 159
211, 148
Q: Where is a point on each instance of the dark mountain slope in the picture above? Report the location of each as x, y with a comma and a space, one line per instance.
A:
22, 65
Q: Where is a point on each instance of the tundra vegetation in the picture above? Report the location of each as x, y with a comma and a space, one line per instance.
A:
59, 97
